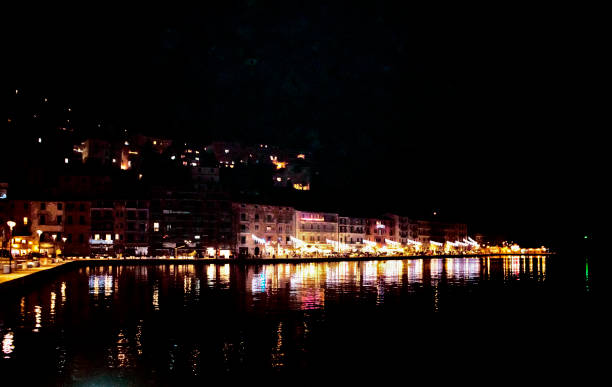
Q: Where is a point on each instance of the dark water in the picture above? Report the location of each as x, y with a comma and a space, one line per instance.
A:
438, 318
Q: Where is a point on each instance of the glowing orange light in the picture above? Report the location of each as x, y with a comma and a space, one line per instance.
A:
280, 164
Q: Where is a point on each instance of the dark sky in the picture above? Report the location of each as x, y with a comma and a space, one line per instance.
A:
484, 114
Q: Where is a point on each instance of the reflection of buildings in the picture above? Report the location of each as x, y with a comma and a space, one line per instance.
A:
272, 226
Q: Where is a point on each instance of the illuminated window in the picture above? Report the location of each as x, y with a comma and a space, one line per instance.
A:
156, 226
97, 237
25, 220
116, 237
108, 237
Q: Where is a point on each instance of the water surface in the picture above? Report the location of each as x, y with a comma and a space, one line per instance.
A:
166, 323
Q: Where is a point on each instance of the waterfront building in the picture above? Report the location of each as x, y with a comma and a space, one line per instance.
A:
406, 230
351, 230
317, 230
380, 229
77, 227
264, 230
119, 227
187, 222
39, 226
435, 234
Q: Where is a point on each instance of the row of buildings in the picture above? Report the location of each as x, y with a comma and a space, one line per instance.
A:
172, 223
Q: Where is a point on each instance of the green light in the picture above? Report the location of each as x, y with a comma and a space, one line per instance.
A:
586, 237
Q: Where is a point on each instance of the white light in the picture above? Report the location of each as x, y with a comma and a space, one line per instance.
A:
39, 140
197, 237
172, 157
66, 160
261, 241
227, 151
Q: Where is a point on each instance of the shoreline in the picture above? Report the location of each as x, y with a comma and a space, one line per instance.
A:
29, 276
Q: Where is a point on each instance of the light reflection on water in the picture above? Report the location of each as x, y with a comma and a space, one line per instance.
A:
188, 318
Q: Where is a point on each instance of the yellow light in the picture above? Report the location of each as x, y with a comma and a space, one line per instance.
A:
301, 187
301, 156
280, 164
25, 220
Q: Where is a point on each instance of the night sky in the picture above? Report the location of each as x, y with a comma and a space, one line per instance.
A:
485, 115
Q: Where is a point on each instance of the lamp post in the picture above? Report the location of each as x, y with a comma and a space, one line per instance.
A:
11, 224
64, 239
54, 236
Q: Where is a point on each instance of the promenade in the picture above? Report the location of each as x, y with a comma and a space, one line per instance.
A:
18, 274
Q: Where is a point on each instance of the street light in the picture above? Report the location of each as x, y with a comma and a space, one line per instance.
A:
11, 224
39, 232
54, 236
64, 239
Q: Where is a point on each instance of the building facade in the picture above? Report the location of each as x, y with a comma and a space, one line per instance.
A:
317, 228
352, 230
263, 230
192, 223
77, 227
380, 229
